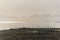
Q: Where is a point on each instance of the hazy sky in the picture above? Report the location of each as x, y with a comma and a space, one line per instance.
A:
30, 11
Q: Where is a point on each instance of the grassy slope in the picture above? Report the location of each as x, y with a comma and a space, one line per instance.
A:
27, 34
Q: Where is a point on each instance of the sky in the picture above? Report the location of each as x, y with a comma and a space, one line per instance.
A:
30, 11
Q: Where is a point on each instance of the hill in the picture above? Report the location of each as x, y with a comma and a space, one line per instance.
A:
30, 34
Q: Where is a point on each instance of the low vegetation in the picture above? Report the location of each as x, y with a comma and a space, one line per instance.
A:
30, 34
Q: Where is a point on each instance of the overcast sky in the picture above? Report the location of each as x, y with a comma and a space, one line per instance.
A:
30, 11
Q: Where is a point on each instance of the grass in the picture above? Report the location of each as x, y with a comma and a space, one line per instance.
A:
29, 34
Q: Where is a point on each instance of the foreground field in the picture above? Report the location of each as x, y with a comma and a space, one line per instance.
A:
30, 34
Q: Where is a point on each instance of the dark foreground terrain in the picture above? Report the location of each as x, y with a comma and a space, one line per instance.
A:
30, 34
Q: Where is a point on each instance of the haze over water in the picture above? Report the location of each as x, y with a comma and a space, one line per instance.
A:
32, 12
